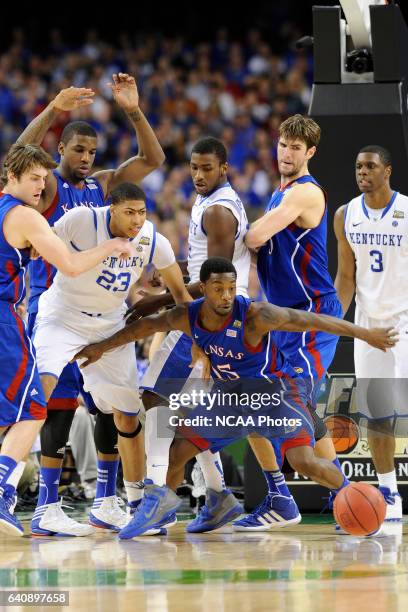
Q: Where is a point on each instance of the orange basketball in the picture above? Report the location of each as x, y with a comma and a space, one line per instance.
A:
343, 431
359, 508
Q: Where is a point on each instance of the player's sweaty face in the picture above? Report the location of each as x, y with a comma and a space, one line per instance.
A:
127, 218
29, 186
371, 173
207, 172
292, 155
79, 155
220, 291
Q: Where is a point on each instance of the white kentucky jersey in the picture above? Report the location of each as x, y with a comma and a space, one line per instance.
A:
104, 288
197, 238
379, 239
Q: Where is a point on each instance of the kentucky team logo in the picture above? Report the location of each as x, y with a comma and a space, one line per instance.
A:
144, 240
398, 214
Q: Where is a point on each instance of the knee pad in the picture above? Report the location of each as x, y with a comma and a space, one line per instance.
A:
55, 433
105, 434
132, 434
320, 428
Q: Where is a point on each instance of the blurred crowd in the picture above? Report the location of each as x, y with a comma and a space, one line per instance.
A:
237, 91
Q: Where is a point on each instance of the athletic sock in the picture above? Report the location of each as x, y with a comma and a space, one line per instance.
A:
134, 490
106, 480
7, 467
16, 474
211, 467
49, 483
158, 439
276, 483
388, 480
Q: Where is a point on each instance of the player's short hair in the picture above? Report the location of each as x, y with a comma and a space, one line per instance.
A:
80, 128
302, 128
216, 265
382, 152
22, 158
127, 191
211, 145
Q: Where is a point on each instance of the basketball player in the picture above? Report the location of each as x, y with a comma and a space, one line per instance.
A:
23, 407
217, 228
74, 311
372, 254
293, 271
66, 188
235, 334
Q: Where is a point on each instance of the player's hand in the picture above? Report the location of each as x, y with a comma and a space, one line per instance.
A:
142, 308
382, 338
156, 279
72, 98
90, 353
124, 91
198, 356
123, 248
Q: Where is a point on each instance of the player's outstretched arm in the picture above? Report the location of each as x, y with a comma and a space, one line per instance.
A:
25, 225
268, 317
175, 319
345, 282
297, 200
67, 100
150, 155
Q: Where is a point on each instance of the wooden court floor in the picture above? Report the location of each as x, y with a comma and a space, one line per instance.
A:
304, 568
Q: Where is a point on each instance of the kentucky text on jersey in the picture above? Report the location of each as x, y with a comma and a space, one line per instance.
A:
292, 265
130, 262
375, 239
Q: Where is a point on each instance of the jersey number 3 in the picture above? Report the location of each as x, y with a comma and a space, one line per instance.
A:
377, 265
107, 280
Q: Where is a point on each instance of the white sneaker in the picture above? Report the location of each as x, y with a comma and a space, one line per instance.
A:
51, 520
394, 504
106, 514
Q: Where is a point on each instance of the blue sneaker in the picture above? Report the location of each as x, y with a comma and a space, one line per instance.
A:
394, 505
8, 522
133, 506
156, 511
276, 511
220, 508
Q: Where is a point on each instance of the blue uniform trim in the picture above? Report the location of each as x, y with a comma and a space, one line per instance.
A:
385, 210
153, 245
108, 219
95, 220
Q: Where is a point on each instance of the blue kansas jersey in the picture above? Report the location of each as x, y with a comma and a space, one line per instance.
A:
292, 265
231, 358
12, 261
